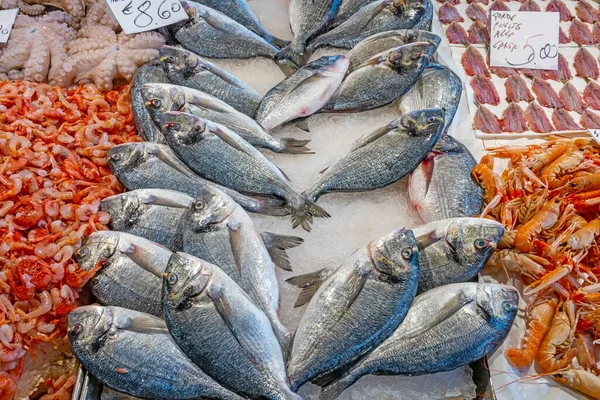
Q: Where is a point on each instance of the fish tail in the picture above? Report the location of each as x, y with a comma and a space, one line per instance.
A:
309, 283
294, 146
277, 245
304, 214
275, 41
268, 206
291, 57
335, 389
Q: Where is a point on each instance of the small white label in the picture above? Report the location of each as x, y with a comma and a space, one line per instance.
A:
595, 134
145, 15
7, 19
522, 39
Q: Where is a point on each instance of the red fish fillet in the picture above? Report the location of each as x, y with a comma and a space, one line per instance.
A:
486, 121
532, 73
529, 5
477, 13
563, 38
448, 13
486, 2
484, 90
455, 2
562, 74
546, 96
478, 33
585, 64
474, 63
580, 33
591, 95
456, 34
516, 89
571, 98
561, 8
499, 5
513, 119
596, 32
586, 12
563, 121
590, 120
504, 72
537, 120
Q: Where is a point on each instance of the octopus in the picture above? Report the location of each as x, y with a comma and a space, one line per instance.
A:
101, 56
27, 9
76, 8
98, 14
37, 46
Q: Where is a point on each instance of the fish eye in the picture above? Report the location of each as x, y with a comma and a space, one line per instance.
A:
508, 307
198, 205
406, 253
172, 278
155, 103
446, 137
480, 243
116, 157
415, 56
76, 329
174, 126
83, 251
170, 59
431, 120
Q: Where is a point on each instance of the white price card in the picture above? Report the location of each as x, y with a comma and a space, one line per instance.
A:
144, 15
595, 134
7, 19
521, 39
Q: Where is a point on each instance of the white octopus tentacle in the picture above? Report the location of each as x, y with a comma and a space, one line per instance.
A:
36, 67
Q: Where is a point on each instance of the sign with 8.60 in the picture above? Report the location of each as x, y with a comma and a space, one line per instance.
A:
144, 15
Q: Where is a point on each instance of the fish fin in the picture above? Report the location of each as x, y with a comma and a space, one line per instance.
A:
428, 165
330, 377
136, 321
230, 140
375, 12
426, 240
144, 258
159, 200
356, 282
281, 43
277, 245
283, 173
373, 136
324, 169
292, 57
221, 74
269, 206
295, 146
303, 216
309, 283
301, 123
236, 242
174, 163
335, 389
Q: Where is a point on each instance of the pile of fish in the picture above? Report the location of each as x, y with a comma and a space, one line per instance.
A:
187, 283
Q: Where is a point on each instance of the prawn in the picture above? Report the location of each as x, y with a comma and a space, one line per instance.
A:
558, 339
585, 236
543, 219
580, 380
493, 187
557, 174
539, 161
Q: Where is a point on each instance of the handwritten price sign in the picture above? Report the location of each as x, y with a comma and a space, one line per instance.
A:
524, 39
144, 15
7, 19
595, 134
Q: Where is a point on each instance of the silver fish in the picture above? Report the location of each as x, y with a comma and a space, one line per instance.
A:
445, 328
185, 68
442, 186
347, 9
437, 87
222, 156
130, 270
381, 42
357, 308
216, 324
384, 156
381, 79
161, 98
151, 165
124, 347
303, 93
426, 19
376, 17
210, 33
144, 125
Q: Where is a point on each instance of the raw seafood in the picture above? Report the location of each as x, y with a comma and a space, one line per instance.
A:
499, 5
477, 13
529, 5
448, 13
513, 119
486, 2
563, 121
532, 73
596, 32
562, 74
585, 64
516, 89
76, 8
478, 33
504, 72
98, 13
425, 22
545, 94
591, 95
571, 98
590, 120
561, 8
586, 12
144, 125
484, 90
456, 34
563, 38
347, 9
537, 119
27, 9
486, 121
473, 62
580, 33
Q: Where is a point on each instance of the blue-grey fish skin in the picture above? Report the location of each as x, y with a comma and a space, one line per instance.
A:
144, 125
124, 359
347, 9
426, 19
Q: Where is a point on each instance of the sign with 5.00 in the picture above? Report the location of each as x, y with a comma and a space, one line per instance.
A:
144, 15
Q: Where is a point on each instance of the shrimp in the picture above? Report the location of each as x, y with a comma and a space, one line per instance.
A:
493, 187
585, 202
584, 237
543, 219
557, 174
523, 264
580, 380
584, 182
586, 354
539, 161
558, 339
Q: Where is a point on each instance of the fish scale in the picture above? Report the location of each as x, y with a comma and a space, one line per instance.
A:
144, 125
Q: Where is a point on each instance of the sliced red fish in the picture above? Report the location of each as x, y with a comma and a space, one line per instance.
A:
455, 2
585, 64
562, 74
590, 120
596, 32
591, 95
580, 33
563, 38
586, 12
532, 73
504, 72
537, 120
484, 90
477, 13
473, 62
563, 121
571, 98
478, 33
456, 34
545, 94
448, 13
516, 89
513, 119
529, 5
561, 8
486, 2
486, 121
499, 5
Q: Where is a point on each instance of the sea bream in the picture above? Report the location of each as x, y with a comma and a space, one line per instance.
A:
347, 9
144, 125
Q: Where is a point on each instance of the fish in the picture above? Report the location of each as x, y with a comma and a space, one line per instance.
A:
517, 90
185, 68
357, 307
562, 74
478, 33
590, 120
537, 120
347, 9
504, 72
160, 98
128, 267
462, 322
474, 63
545, 94
513, 119
438, 87
585, 64
477, 13
430, 194
425, 22
384, 156
221, 330
308, 18
486, 121
241, 12
532, 73
586, 12
580, 33
486, 2
563, 38
376, 17
144, 125
381, 79
302, 93
145, 165
456, 34
484, 90
124, 347
381, 42
529, 5
596, 32
571, 98
499, 5
454, 2
561, 8
222, 37
591, 95
563, 121
220, 155
448, 13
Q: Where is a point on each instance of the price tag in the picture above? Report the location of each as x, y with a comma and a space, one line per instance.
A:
595, 134
520, 39
7, 19
144, 15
